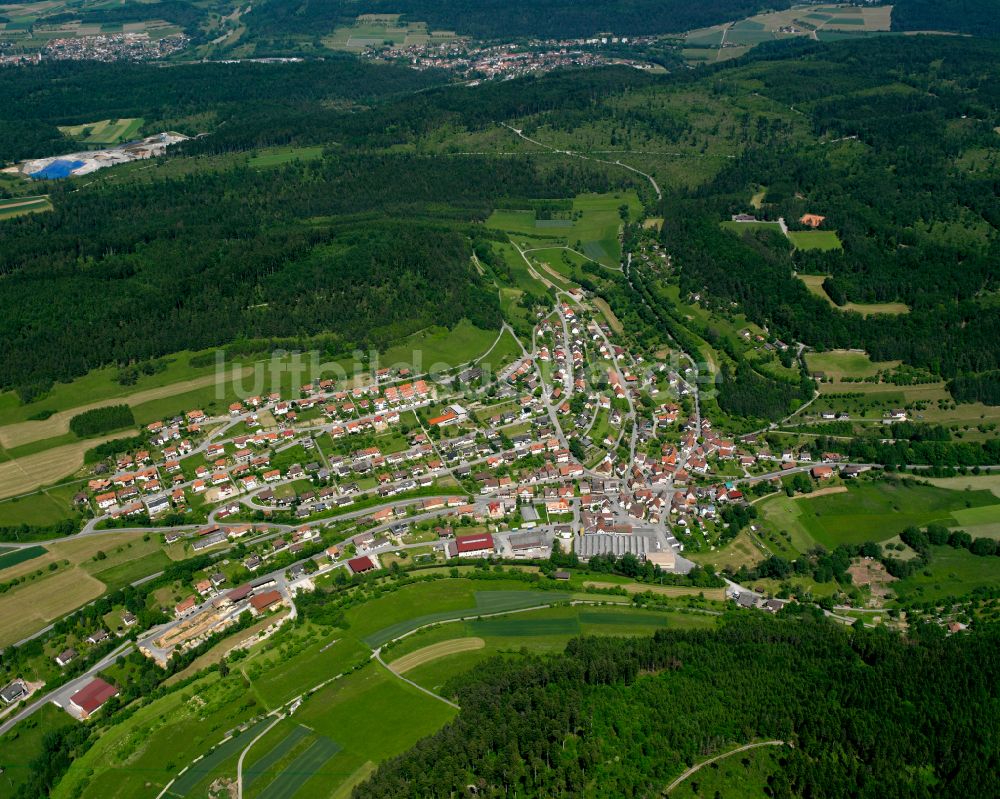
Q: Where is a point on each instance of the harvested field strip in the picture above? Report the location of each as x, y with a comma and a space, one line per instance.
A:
14, 435
31, 606
28, 473
435, 651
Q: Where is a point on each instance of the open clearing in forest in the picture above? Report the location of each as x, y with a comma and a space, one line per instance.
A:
17, 206
838, 364
105, 131
435, 651
815, 284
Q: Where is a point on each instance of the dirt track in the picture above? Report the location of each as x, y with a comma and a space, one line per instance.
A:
435, 651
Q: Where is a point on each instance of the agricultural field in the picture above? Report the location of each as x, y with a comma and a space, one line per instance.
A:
18, 206
105, 132
870, 511
22, 744
815, 284
45, 507
44, 468
67, 574
32, 605
730, 40
19, 424
384, 30
15, 557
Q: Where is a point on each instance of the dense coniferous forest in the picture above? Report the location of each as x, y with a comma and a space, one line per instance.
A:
975, 17
137, 271
507, 19
34, 100
865, 713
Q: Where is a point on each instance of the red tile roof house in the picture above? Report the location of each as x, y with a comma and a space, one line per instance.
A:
90, 699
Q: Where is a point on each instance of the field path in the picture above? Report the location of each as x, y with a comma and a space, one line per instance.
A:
26, 474
14, 435
711, 760
377, 654
435, 651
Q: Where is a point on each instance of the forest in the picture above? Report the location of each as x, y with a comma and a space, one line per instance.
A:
193, 98
865, 713
332, 246
974, 17
270, 22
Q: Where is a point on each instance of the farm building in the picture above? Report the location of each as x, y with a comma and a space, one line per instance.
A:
92, 698
471, 546
361, 565
265, 601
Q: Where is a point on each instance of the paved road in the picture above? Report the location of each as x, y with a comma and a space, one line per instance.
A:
61, 695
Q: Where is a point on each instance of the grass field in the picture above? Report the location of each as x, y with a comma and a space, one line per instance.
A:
543, 630
41, 508
815, 284
105, 132
18, 206
838, 364
951, 572
382, 30
593, 222
874, 511
140, 755
94, 390
22, 744
815, 240
373, 715
439, 348
276, 156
